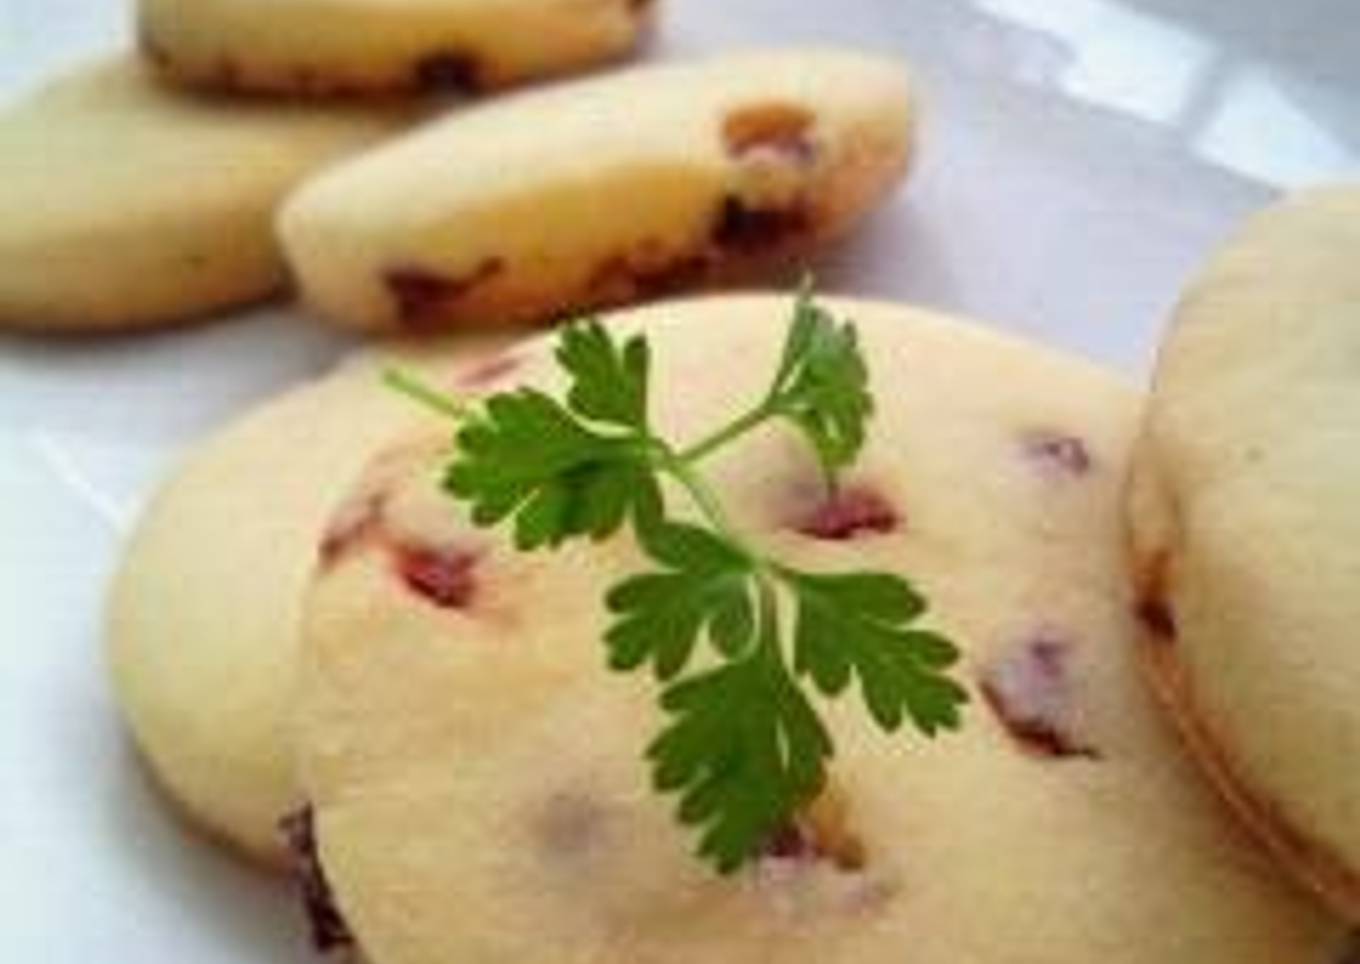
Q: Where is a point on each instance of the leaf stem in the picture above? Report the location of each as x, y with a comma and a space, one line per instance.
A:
679, 468
682, 470
734, 429
768, 608
421, 391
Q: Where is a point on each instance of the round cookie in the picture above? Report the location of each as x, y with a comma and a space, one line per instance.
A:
1246, 535
602, 191
123, 204
345, 47
203, 613
476, 775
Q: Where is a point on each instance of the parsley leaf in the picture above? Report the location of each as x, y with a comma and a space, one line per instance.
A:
854, 624
660, 615
744, 750
822, 384
525, 455
742, 745
609, 382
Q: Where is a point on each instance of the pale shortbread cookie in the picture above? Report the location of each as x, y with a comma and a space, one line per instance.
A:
602, 191
203, 615
1245, 516
123, 204
476, 773
345, 47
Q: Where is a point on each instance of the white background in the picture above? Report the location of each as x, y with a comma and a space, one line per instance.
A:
1079, 158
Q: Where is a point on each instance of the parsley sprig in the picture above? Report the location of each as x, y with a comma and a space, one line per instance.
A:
742, 745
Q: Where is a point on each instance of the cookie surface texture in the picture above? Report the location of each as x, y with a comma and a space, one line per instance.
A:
203, 614
477, 777
349, 47
124, 204
1246, 534
603, 191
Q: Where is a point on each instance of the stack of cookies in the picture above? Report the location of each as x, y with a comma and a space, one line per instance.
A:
146, 190
426, 708
338, 670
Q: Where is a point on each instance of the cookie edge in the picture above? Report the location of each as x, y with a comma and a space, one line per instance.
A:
1150, 555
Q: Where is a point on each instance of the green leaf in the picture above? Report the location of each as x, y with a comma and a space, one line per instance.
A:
744, 750
854, 625
524, 455
822, 384
609, 382
660, 616
807, 318
742, 746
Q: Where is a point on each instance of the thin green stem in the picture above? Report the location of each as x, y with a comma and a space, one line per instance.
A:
421, 391
768, 607
680, 469
727, 433
706, 499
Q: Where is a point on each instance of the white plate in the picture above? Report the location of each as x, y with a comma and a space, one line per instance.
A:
1080, 156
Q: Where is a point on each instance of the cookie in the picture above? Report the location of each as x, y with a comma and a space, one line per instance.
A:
1246, 535
202, 616
472, 765
602, 191
346, 47
126, 205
